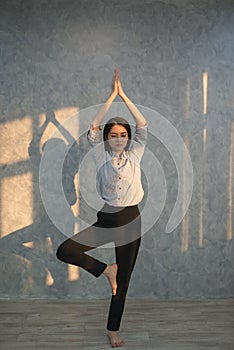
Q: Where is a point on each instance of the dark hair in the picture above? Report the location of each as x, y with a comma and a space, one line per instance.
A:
109, 125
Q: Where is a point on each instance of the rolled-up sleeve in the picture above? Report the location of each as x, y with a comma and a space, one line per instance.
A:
94, 136
96, 142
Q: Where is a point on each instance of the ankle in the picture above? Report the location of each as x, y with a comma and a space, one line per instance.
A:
111, 332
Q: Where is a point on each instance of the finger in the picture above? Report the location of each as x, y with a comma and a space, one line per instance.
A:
116, 77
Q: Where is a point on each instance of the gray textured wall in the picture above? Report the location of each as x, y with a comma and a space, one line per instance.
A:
61, 55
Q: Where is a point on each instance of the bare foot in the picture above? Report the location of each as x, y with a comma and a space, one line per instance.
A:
115, 339
111, 272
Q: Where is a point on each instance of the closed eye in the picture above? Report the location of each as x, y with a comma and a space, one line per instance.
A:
116, 135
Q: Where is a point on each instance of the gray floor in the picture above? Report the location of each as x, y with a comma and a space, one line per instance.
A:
146, 324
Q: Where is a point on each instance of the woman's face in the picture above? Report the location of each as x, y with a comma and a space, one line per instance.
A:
117, 138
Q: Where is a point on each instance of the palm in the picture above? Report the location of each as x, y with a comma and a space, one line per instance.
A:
114, 85
119, 85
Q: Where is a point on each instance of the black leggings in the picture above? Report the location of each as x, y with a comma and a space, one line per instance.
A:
121, 225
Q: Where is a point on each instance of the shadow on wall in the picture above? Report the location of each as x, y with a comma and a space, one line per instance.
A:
28, 254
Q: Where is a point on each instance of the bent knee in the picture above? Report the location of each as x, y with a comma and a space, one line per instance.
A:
60, 253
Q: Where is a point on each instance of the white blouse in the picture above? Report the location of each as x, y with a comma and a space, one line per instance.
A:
119, 179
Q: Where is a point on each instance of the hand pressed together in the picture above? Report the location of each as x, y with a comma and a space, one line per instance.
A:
117, 88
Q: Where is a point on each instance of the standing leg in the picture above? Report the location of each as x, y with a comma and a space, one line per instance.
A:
125, 258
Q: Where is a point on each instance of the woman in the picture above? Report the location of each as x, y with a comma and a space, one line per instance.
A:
119, 179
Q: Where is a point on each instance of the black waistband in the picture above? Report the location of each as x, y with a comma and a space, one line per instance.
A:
112, 209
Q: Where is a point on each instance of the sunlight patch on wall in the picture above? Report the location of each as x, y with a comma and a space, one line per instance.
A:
73, 273
16, 203
75, 207
29, 244
15, 138
49, 245
49, 278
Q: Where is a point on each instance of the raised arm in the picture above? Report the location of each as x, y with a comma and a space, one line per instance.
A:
105, 107
139, 118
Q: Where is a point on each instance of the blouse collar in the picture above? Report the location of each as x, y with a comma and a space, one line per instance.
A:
122, 155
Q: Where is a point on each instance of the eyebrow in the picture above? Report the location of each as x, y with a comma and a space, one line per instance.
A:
115, 133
